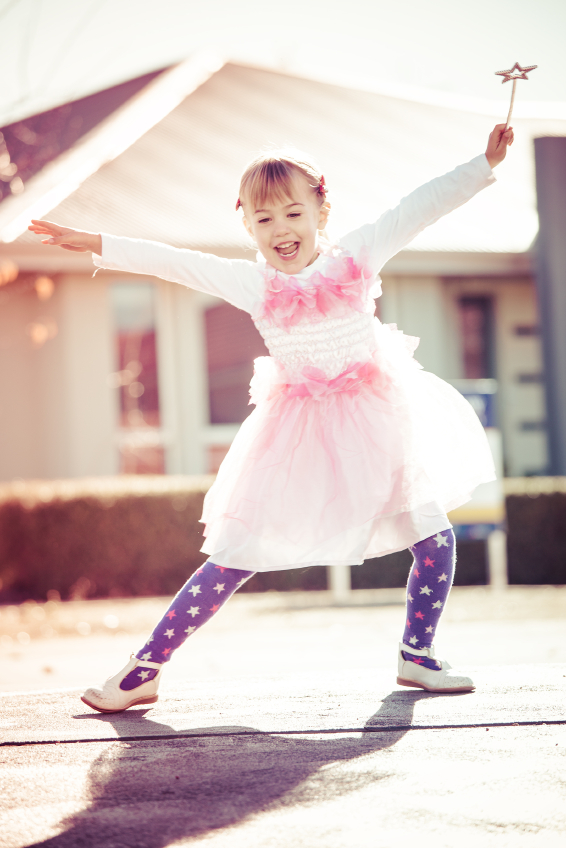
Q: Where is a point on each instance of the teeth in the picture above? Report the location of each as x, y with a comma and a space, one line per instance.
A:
288, 249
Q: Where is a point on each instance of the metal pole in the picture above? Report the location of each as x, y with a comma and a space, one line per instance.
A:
497, 559
339, 580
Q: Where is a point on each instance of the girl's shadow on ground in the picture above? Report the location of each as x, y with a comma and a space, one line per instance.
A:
149, 794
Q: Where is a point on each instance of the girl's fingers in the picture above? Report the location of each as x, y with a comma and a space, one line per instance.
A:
64, 237
41, 227
42, 223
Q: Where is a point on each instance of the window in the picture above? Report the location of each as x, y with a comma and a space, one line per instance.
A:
232, 344
476, 323
140, 441
527, 330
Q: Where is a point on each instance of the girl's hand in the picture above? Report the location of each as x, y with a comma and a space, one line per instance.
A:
66, 237
499, 141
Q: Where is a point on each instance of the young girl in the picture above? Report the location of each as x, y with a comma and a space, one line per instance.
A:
352, 450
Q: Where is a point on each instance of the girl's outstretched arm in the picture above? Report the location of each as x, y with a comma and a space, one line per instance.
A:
399, 226
234, 280
66, 237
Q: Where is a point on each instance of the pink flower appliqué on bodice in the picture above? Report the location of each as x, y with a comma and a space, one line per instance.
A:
342, 288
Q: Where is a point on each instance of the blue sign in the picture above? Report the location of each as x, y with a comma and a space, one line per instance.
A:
481, 395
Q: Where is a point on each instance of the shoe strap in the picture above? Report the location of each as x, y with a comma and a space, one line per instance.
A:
146, 664
418, 652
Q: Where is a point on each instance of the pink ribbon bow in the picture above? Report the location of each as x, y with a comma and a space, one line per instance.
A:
317, 385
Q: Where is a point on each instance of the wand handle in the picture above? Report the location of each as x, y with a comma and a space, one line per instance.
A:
511, 105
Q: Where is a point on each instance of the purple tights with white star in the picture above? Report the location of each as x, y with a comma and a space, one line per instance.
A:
200, 598
429, 584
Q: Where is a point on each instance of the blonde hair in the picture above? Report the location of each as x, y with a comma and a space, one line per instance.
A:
270, 177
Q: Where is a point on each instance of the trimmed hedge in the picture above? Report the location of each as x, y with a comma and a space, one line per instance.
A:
140, 535
101, 537
536, 517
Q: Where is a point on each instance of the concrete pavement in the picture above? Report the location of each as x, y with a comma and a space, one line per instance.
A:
284, 726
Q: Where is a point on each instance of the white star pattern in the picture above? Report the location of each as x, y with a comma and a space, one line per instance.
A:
202, 599
144, 675
434, 586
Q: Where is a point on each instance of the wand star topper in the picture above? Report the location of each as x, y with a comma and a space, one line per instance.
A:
515, 73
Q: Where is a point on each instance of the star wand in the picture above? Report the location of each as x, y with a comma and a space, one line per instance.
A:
515, 73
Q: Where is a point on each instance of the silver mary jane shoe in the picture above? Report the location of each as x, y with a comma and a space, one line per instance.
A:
111, 699
444, 679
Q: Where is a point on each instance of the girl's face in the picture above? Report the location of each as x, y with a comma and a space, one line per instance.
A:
285, 231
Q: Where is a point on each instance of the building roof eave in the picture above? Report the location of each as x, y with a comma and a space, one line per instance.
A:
445, 263
54, 183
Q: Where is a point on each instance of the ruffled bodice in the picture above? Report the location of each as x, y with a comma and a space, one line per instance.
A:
330, 345
322, 322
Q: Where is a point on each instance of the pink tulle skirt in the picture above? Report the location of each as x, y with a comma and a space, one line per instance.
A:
335, 471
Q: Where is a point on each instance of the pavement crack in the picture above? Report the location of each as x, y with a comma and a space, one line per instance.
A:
386, 728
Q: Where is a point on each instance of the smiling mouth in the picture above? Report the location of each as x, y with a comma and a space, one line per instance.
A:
288, 250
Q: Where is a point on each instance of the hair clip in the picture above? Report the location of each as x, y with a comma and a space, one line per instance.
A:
322, 186
238, 204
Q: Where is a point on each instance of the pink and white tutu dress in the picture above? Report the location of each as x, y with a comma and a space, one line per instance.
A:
352, 451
